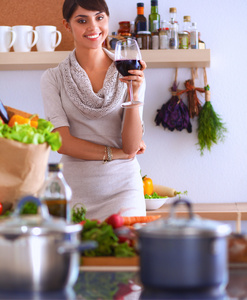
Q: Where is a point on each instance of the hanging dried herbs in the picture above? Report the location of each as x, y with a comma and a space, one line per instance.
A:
174, 113
211, 129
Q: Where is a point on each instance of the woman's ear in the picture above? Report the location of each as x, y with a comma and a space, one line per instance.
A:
66, 25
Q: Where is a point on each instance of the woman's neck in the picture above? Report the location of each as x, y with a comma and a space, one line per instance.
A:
91, 59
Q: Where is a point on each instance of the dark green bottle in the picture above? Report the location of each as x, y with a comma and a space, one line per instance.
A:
154, 15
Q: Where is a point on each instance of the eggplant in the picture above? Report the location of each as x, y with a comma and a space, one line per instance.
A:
3, 113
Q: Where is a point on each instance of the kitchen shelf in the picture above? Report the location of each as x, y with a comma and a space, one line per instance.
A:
154, 58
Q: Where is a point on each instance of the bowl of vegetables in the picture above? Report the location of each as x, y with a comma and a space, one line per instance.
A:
157, 195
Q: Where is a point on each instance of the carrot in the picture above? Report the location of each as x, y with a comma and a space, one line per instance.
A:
139, 219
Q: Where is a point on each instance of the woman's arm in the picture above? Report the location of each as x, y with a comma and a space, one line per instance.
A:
82, 149
132, 128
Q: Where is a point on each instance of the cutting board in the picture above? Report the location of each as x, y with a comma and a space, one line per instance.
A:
109, 261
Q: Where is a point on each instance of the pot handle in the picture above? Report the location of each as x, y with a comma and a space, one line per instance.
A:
181, 201
70, 248
43, 208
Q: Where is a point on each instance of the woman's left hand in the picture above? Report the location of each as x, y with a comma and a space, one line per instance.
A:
142, 148
137, 78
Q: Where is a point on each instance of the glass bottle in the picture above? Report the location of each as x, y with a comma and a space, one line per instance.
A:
201, 44
173, 30
155, 35
132, 28
154, 15
140, 20
164, 35
187, 26
193, 36
56, 193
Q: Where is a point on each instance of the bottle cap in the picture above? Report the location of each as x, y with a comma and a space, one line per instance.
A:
173, 10
187, 19
55, 167
154, 2
124, 23
140, 4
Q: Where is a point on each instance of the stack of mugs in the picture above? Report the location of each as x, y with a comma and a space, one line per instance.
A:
24, 37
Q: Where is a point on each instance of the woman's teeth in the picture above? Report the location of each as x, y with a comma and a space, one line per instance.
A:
93, 36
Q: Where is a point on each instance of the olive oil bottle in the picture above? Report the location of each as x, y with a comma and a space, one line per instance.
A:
154, 15
56, 193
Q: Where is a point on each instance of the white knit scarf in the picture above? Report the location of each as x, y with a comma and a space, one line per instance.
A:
80, 92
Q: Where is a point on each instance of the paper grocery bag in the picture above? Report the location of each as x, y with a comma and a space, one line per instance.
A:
22, 169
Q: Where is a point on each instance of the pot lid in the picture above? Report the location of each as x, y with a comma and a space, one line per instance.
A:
38, 224
178, 227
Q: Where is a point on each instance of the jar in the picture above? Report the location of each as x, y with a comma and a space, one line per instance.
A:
183, 38
126, 35
124, 26
144, 39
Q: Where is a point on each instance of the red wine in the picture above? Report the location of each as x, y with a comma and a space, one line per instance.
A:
123, 66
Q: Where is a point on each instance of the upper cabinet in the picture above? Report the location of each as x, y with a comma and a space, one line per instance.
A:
34, 60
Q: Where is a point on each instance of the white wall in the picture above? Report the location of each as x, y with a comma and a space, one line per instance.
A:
172, 158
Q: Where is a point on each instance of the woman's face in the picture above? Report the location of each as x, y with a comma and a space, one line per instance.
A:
89, 28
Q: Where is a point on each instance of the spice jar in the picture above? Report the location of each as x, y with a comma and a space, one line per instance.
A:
126, 35
124, 26
183, 38
144, 39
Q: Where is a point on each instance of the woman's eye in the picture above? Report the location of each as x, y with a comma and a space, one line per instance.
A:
100, 18
81, 21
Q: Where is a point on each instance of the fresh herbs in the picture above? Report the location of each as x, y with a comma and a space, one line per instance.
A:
108, 245
27, 134
78, 214
211, 129
174, 114
29, 208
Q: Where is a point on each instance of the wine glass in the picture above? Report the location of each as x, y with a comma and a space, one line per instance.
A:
127, 57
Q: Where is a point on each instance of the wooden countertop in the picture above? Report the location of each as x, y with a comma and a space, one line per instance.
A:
216, 211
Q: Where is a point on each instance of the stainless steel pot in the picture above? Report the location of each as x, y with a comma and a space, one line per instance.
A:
180, 253
39, 252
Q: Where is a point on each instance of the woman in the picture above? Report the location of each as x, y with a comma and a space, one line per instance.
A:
82, 98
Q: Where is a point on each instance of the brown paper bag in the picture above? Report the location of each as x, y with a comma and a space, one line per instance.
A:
22, 169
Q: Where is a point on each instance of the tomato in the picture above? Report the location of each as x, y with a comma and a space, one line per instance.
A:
1, 208
148, 188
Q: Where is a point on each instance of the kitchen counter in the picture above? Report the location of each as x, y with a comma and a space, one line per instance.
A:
123, 283
216, 211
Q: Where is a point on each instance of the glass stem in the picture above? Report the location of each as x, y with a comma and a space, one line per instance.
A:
131, 91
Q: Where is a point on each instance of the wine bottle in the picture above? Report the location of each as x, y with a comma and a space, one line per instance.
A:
154, 15
140, 20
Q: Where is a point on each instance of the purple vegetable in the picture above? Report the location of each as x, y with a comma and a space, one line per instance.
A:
174, 114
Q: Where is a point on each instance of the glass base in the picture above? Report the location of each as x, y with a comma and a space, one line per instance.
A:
131, 104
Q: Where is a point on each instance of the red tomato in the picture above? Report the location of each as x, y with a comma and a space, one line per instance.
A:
1, 208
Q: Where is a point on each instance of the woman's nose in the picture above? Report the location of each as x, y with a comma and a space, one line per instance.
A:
92, 24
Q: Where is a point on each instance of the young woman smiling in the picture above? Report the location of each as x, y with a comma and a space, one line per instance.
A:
82, 98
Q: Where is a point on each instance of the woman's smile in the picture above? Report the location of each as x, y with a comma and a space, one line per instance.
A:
93, 36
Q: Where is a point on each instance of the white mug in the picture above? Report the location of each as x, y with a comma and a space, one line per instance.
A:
24, 37
7, 38
47, 38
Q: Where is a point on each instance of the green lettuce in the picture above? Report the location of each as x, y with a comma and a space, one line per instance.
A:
25, 133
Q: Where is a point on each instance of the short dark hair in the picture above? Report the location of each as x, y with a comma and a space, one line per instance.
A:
69, 6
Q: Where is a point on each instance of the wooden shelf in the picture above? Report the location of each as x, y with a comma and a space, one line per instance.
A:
154, 58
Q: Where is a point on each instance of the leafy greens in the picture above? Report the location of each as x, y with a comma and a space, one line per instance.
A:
27, 134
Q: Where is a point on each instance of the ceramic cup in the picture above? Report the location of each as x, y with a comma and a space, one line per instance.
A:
26, 38
47, 38
7, 38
